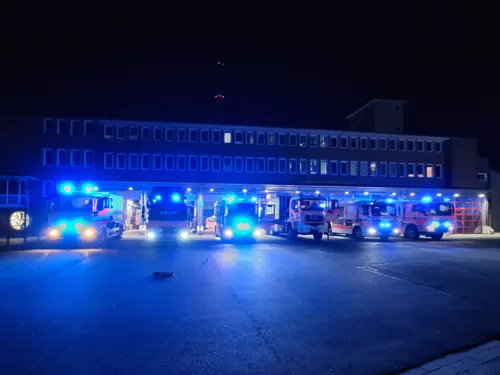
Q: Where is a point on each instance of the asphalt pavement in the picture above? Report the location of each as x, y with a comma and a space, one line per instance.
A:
273, 307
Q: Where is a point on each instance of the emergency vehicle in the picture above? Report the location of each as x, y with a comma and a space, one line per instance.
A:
236, 219
426, 218
85, 214
170, 214
365, 219
301, 215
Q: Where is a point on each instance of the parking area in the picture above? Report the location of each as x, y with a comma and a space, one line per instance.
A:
275, 306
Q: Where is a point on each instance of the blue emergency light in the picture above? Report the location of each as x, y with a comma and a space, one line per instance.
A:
176, 197
426, 199
88, 188
389, 200
67, 188
384, 224
254, 199
158, 197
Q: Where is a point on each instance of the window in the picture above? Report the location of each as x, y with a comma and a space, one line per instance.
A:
261, 165
238, 137
109, 160
373, 169
49, 126
121, 132
437, 146
238, 164
121, 161
323, 141
373, 143
343, 142
133, 132
292, 166
88, 128
353, 168
146, 133
393, 170
133, 161
181, 163
227, 164
250, 138
382, 144
260, 138
108, 131
363, 143
313, 166
303, 166
323, 167
334, 167
382, 166
420, 170
303, 140
215, 163
204, 135
313, 140
282, 165
402, 145
169, 162
228, 136
145, 161
429, 171
63, 127
363, 168
181, 135
483, 177
271, 139
158, 134
157, 162
76, 127
282, 139
429, 146
193, 162
169, 135
271, 165
193, 135
402, 169
392, 145
76, 158
62, 157
204, 163
438, 171
292, 140
334, 141
48, 156
411, 170
343, 168
249, 165
354, 142
420, 146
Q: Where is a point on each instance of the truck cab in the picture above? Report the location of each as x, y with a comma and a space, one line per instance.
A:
236, 220
426, 218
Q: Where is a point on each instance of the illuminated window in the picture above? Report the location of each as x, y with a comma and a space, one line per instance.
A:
313, 166
323, 141
343, 142
121, 132
181, 162
146, 133
323, 167
250, 138
204, 163
215, 163
48, 156
76, 158
313, 139
334, 141
303, 140
133, 161
169, 135
133, 132
382, 169
354, 168
62, 157
261, 165
19, 220
334, 167
181, 135
282, 165
292, 166
169, 162
420, 170
354, 142
108, 160
204, 135
145, 161
121, 161
193, 135
271, 139
429, 171
411, 170
373, 169
158, 134
228, 137
238, 164
343, 168
193, 162
303, 166
227, 164
271, 165
238, 137
249, 167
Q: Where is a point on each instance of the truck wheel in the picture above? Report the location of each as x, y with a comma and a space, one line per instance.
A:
357, 234
411, 232
384, 238
318, 236
436, 237
292, 233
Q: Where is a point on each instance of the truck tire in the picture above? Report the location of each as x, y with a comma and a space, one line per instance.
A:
292, 233
411, 232
318, 237
357, 234
436, 237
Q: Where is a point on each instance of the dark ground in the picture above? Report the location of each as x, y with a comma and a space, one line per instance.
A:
275, 307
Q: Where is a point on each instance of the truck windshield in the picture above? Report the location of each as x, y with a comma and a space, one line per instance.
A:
441, 209
242, 208
174, 212
72, 204
312, 204
383, 210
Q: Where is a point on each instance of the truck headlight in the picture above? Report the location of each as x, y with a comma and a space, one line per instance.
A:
151, 235
89, 233
258, 232
228, 233
54, 233
448, 224
396, 231
184, 235
372, 231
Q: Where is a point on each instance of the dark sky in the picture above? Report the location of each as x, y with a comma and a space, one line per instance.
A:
441, 56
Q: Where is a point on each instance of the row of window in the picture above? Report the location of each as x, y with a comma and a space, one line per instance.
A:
135, 132
207, 163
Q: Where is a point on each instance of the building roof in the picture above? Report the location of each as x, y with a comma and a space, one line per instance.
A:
373, 101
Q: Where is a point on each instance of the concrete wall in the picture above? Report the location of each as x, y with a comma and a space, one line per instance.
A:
495, 200
463, 164
389, 117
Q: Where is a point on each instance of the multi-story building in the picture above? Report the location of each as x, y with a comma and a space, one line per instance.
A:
135, 155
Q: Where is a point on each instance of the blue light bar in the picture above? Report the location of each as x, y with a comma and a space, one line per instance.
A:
426, 199
389, 200
67, 188
158, 197
385, 224
88, 188
176, 197
254, 199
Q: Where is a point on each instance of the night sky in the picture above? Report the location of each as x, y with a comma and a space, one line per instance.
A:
442, 59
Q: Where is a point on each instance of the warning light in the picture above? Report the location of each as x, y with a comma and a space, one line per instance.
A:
67, 188
175, 197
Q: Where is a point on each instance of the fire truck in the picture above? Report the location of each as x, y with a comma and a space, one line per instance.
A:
301, 215
85, 214
236, 219
426, 218
365, 219
170, 214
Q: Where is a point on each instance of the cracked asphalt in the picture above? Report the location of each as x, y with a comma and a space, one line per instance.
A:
275, 307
